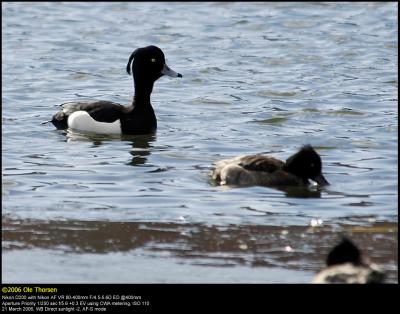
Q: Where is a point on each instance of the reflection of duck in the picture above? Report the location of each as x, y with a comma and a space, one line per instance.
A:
268, 171
147, 65
141, 148
300, 191
345, 264
96, 139
140, 143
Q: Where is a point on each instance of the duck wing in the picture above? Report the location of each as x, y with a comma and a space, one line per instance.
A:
102, 111
261, 163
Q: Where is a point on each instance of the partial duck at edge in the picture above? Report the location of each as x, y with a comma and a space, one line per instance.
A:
346, 265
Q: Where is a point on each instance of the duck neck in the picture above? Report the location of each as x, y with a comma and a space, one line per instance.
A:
294, 170
142, 93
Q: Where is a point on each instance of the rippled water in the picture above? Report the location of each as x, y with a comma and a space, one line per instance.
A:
257, 78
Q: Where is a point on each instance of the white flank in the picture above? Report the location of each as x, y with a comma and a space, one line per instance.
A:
82, 121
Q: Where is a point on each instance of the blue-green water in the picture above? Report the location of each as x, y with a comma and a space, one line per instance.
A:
257, 78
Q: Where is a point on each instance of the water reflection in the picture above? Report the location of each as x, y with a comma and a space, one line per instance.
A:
96, 139
141, 144
301, 192
208, 245
140, 148
290, 191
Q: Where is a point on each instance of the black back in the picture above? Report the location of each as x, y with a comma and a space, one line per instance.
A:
261, 163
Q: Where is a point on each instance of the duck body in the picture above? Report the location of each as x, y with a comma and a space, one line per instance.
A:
105, 117
349, 273
254, 170
268, 171
147, 65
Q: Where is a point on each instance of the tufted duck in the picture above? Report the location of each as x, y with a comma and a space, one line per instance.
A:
147, 65
269, 171
345, 264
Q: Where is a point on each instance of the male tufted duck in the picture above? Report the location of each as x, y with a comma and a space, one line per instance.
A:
269, 171
147, 65
345, 264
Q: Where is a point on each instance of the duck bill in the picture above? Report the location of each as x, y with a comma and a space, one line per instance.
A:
168, 71
320, 179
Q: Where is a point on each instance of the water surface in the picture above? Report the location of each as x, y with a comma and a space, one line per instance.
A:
257, 78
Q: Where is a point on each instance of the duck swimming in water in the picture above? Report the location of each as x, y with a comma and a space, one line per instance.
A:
147, 65
269, 171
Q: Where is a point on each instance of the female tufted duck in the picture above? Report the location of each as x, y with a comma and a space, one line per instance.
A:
269, 171
147, 65
345, 264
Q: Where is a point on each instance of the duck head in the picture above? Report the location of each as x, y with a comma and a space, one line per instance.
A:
147, 64
307, 164
344, 252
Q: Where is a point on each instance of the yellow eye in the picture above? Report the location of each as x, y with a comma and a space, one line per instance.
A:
153, 60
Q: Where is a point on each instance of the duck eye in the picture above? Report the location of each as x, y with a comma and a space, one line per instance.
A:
153, 60
312, 165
